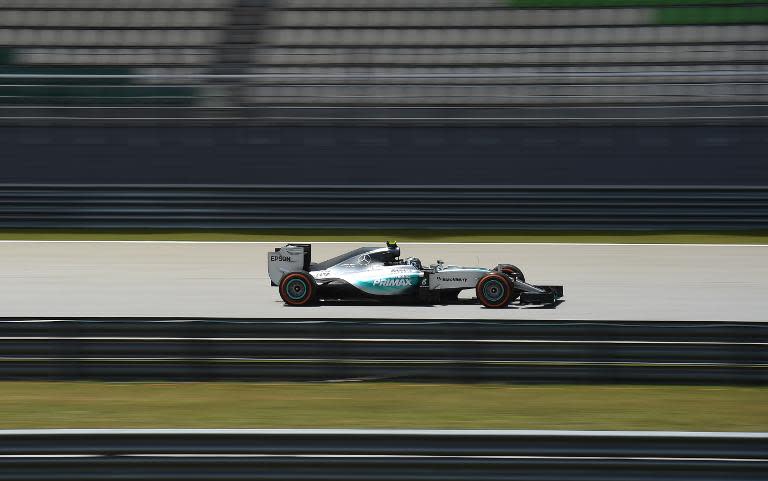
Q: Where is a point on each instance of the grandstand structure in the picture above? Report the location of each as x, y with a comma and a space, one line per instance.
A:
299, 61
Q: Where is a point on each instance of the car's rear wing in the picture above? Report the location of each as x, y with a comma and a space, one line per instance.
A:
289, 258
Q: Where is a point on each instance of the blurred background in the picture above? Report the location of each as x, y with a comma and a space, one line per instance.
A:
395, 92
615, 121
466, 62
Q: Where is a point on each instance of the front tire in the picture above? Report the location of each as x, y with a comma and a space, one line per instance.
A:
494, 291
514, 273
298, 288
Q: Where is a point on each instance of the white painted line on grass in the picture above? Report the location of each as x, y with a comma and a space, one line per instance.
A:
376, 432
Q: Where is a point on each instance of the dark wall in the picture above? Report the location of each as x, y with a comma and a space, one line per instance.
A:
379, 155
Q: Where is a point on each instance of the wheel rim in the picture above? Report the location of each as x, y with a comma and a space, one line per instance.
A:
296, 289
493, 290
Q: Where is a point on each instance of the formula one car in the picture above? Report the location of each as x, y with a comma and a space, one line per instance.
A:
378, 273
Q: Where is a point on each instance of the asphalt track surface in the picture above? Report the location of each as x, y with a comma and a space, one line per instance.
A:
189, 279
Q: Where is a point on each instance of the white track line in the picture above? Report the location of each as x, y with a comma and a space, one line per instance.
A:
370, 242
378, 432
372, 340
368, 320
472, 362
379, 456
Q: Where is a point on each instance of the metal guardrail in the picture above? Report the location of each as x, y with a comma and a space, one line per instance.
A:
380, 455
393, 350
428, 207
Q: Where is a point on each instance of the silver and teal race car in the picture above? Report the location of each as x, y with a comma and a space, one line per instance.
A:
379, 273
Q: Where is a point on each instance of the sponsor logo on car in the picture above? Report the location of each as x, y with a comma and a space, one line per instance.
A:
280, 258
402, 282
452, 279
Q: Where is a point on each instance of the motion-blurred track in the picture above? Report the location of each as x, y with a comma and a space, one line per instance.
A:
400, 349
609, 282
377, 454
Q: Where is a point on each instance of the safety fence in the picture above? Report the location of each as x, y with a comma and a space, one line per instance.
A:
380, 454
260, 62
428, 207
385, 350
508, 96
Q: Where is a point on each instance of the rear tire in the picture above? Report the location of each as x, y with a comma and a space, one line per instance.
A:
298, 289
494, 291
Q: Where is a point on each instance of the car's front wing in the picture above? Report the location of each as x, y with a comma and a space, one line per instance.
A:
531, 294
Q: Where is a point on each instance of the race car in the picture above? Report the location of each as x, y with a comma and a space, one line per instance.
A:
379, 273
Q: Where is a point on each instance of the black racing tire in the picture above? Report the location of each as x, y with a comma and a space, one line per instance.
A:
495, 290
298, 288
512, 271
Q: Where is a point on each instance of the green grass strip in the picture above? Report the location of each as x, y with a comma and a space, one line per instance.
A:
384, 235
380, 405
712, 15
623, 3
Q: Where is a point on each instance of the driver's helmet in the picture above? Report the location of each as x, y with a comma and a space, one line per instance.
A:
414, 261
